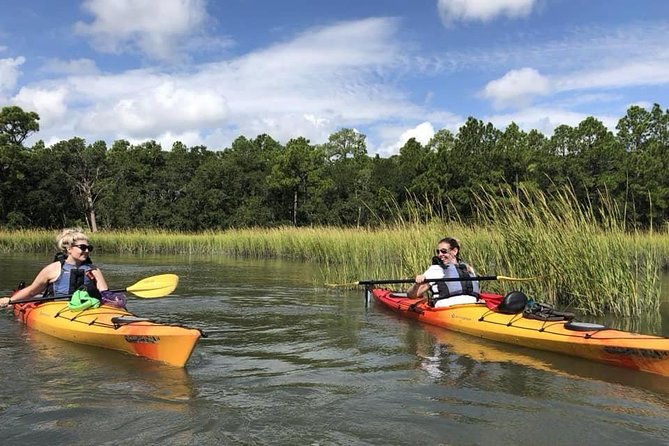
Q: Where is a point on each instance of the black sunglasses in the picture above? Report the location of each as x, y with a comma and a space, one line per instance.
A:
85, 248
442, 251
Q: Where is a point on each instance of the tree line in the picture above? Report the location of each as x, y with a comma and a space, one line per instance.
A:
261, 182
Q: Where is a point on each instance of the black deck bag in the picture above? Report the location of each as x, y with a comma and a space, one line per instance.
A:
545, 312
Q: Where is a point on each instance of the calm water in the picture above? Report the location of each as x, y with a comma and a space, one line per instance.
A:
288, 363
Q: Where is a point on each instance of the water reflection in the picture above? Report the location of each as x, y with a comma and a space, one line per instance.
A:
507, 357
664, 317
73, 369
520, 395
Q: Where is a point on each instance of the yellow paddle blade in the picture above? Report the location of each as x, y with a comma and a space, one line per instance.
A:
516, 279
333, 285
154, 286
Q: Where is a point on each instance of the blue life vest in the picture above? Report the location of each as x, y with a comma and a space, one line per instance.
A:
444, 290
73, 278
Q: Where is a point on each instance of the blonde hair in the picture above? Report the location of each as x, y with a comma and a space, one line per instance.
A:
67, 238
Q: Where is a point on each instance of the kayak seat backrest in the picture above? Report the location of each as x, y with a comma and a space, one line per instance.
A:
399, 295
512, 303
124, 320
583, 326
545, 312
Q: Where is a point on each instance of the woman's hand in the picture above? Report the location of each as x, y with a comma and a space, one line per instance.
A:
420, 279
4, 302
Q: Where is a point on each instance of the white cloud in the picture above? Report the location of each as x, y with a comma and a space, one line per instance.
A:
50, 104
516, 88
9, 72
73, 66
622, 74
324, 79
157, 29
162, 104
393, 137
482, 10
423, 132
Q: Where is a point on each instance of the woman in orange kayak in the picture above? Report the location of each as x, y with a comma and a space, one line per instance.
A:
72, 271
447, 264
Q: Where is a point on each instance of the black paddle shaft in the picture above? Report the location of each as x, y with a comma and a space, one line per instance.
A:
445, 279
50, 298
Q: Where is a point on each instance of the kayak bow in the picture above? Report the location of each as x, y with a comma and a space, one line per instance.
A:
590, 341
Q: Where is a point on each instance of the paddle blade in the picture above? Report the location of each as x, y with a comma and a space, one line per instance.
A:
335, 285
516, 279
154, 286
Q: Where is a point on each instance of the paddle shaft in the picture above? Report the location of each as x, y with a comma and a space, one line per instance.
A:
48, 298
443, 279
147, 288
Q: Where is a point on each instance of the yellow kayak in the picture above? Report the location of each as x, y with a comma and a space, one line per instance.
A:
112, 328
591, 341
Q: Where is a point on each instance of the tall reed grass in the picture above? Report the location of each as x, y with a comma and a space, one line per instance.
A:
583, 258
587, 259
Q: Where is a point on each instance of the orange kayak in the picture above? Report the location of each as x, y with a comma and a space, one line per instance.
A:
590, 341
112, 328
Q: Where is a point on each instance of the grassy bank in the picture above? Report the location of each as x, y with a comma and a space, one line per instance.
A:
581, 259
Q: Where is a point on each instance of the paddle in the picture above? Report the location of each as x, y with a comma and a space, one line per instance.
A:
445, 279
147, 288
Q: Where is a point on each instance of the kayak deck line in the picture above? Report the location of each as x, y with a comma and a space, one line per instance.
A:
545, 324
119, 321
596, 342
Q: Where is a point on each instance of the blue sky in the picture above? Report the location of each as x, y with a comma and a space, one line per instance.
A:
206, 72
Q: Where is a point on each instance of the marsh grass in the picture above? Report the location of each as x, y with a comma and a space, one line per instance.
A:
586, 258
583, 258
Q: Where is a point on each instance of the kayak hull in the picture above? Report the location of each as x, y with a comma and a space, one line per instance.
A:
620, 348
112, 328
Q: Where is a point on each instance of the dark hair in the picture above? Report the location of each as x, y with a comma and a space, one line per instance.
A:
453, 243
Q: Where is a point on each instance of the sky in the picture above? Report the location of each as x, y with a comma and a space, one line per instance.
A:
205, 72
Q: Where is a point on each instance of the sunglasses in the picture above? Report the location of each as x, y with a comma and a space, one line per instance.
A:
84, 248
442, 251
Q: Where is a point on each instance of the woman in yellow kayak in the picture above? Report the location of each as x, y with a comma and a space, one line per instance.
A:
447, 265
71, 271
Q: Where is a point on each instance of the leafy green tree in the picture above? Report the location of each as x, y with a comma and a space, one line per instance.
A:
473, 164
50, 201
442, 145
640, 129
346, 187
134, 199
14, 166
177, 202
83, 166
562, 143
295, 175
416, 167
207, 192
515, 155
345, 143
596, 164
645, 135
384, 177
541, 164
246, 166
16, 125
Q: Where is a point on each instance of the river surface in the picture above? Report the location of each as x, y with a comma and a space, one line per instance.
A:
290, 363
